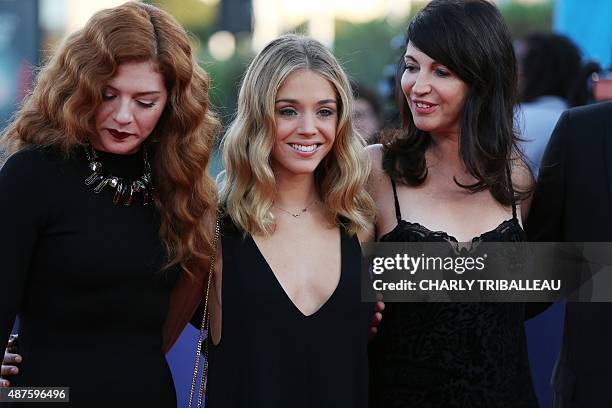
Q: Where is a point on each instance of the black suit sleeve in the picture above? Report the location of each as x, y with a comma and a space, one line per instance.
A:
547, 213
21, 217
545, 221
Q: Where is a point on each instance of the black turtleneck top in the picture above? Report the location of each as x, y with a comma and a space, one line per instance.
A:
84, 276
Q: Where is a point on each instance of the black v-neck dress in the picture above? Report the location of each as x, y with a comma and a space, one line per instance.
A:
451, 354
273, 356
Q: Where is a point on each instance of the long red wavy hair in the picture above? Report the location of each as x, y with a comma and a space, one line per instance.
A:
61, 108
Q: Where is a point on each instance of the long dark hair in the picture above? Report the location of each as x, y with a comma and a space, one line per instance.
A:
552, 65
471, 39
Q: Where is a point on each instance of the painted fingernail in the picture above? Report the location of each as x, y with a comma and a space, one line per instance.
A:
14, 370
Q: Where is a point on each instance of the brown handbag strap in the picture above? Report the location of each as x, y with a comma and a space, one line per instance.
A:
203, 329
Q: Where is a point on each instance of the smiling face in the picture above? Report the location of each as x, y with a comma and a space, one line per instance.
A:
133, 101
306, 116
435, 95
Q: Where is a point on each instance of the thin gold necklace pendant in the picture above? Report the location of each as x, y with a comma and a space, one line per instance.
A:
295, 215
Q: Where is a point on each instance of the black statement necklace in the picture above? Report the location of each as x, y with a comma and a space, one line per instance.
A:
125, 189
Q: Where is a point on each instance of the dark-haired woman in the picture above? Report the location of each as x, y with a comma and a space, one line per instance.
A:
453, 175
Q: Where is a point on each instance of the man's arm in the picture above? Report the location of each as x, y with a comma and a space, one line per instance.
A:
547, 212
546, 218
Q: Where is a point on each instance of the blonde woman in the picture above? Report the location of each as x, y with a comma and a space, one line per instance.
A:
287, 323
104, 195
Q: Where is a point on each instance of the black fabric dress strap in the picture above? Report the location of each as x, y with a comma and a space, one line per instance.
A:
398, 213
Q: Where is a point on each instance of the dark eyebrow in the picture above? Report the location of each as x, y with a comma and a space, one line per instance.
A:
287, 100
147, 93
433, 64
321, 102
137, 93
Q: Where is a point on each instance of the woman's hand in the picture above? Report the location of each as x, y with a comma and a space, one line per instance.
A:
376, 318
11, 358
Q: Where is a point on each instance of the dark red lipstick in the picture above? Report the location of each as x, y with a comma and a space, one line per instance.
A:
119, 135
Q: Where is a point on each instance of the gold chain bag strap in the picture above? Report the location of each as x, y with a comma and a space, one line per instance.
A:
204, 328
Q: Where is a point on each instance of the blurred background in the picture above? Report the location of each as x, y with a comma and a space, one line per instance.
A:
367, 37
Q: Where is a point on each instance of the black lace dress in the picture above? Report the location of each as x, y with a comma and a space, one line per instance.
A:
451, 354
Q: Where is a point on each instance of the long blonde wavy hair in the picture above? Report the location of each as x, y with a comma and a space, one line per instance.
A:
249, 186
60, 112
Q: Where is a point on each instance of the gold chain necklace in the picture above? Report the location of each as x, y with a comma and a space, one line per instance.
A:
295, 215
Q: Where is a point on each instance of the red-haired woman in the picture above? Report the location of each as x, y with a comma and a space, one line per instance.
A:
105, 198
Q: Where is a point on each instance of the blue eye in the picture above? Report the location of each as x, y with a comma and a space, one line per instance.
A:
325, 112
287, 112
